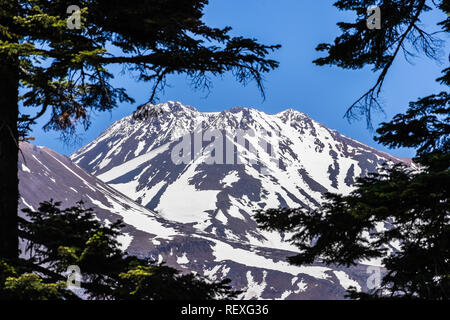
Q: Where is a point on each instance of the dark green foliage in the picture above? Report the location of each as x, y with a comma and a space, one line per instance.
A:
19, 283
425, 125
400, 33
144, 282
57, 239
70, 236
30, 286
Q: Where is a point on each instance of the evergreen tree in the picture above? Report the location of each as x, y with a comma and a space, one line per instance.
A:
414, 202
58, 238
61, 66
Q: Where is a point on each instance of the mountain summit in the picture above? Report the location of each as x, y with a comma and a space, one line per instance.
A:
186, 183
219, 182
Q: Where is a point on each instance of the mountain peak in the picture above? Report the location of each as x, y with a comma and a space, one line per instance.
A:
292, 112
212, 181
157, 109
238, 109
178, 106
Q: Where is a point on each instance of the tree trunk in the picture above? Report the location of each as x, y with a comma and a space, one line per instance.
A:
9, 183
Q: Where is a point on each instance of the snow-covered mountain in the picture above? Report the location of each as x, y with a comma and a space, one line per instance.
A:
187, 183
45, 174
304, 160
261, 271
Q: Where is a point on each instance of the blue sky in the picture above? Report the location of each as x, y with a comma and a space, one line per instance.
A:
324, 93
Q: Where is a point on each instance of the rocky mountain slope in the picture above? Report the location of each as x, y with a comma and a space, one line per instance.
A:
262, 272
300, 160
188, 201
